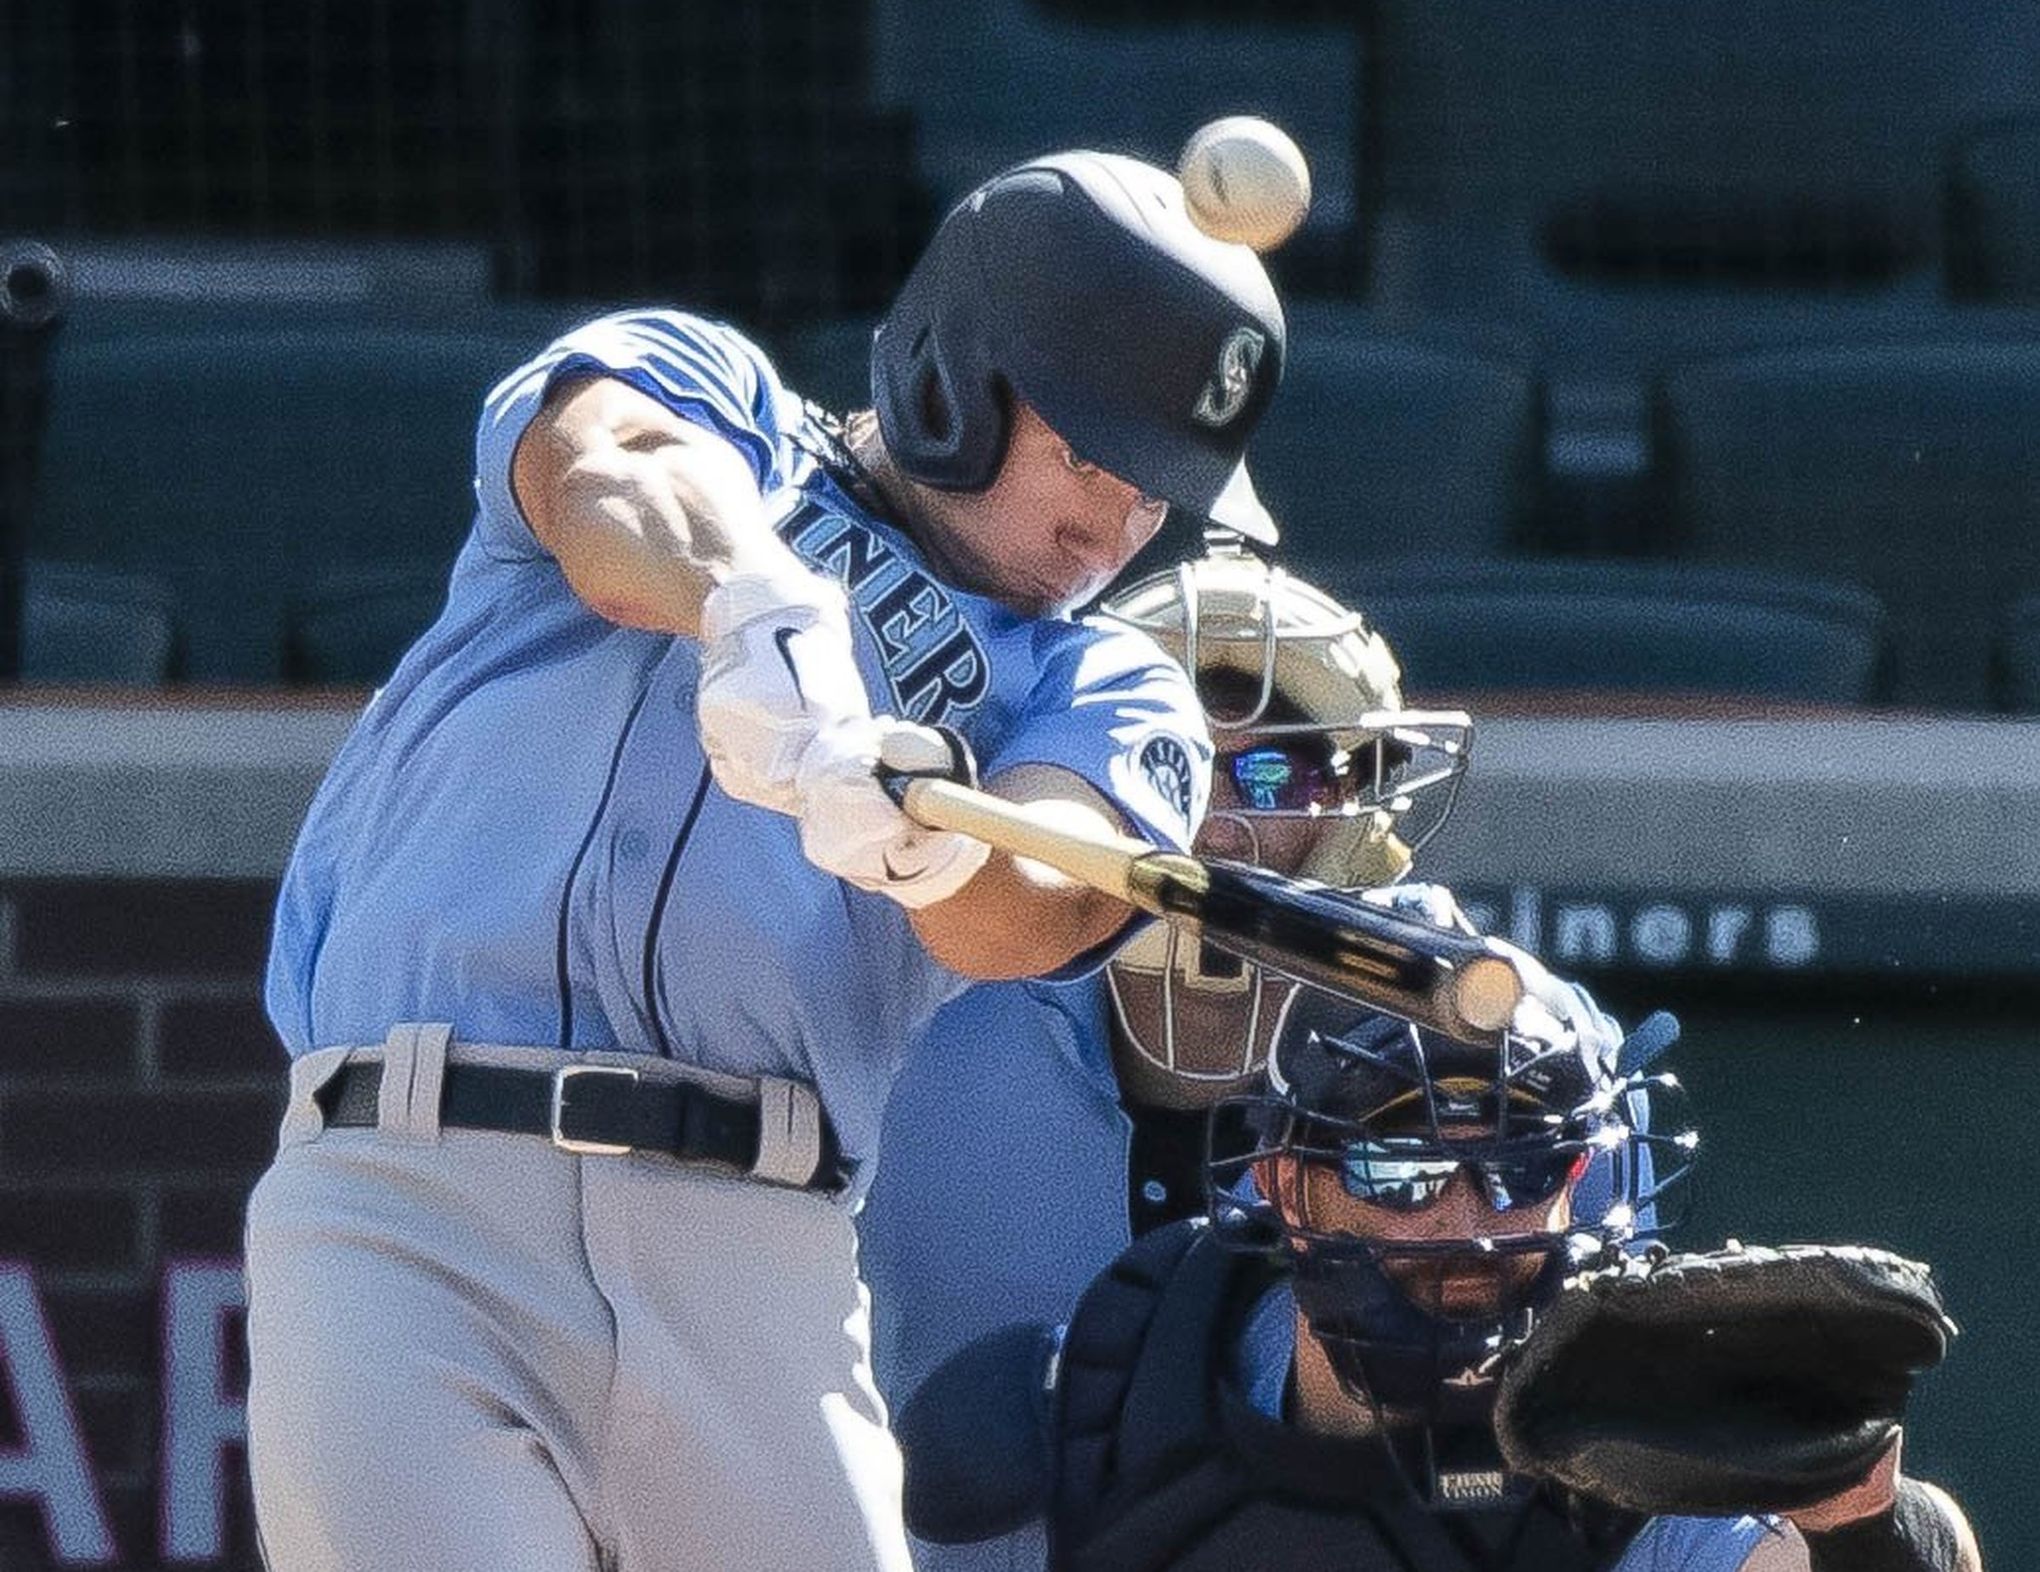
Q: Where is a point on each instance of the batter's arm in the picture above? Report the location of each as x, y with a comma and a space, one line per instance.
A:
1017, 917
644, 510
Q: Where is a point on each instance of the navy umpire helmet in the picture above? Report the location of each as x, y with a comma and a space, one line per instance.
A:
1078, 284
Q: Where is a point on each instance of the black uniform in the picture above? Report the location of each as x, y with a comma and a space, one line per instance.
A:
1164, 1463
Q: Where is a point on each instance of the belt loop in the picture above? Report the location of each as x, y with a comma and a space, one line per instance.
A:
302, 1120
414, 1072
789, 1132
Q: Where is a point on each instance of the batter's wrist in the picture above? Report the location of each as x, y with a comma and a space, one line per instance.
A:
741, 598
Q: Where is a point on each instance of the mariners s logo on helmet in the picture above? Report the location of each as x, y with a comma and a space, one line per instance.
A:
1225, 395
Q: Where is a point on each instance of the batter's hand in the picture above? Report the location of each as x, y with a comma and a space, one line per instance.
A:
850, 825
777, 671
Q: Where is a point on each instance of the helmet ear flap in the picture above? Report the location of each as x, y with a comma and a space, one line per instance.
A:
943, 410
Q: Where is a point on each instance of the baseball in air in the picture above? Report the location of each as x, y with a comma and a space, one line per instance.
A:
1244, 180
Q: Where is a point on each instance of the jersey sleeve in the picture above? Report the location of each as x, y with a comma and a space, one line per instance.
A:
700, 369
1695, 1544
1116, 711
1113, 709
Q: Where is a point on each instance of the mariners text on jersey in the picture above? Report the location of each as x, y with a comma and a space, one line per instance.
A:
933, 662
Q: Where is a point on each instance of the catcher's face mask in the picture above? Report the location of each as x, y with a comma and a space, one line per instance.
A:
1321, 772
1373, 1122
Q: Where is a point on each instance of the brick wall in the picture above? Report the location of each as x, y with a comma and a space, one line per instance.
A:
139, 1092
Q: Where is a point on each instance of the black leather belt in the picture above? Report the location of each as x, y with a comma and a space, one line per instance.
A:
586, 1108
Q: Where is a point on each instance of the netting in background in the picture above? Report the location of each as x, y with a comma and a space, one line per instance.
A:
1650, 294
596, 148
786, 159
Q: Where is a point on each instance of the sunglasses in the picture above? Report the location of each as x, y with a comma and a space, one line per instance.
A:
1294, 778
1286, 780
1409, 1175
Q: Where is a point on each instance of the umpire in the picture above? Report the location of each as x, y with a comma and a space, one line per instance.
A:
601, 940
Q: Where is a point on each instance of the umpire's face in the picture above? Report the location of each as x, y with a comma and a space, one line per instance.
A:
1469, 1285
1276, 795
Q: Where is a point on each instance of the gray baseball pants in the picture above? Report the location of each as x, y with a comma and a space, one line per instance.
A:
475, 1352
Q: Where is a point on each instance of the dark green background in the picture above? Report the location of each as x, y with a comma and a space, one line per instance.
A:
1911, 1126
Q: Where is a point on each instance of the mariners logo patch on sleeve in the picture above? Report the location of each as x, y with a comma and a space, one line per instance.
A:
1165, 765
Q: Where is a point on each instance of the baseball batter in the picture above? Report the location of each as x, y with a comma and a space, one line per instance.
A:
601, 940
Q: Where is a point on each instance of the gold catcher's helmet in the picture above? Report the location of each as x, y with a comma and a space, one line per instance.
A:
1273, 657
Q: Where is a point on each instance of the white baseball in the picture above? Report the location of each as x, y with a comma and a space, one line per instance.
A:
1244, 180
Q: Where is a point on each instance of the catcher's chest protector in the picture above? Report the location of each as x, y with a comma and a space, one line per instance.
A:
1164, 1464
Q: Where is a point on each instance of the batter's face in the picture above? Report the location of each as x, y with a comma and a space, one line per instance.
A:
1049, 533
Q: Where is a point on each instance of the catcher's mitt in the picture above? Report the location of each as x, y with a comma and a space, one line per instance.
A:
1741, 1380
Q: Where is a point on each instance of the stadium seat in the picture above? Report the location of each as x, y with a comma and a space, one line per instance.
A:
240, 465
1382, 445
1912, 469
1559, 626
1659, 145
973, 77
87, 625
1993, 214
352, 626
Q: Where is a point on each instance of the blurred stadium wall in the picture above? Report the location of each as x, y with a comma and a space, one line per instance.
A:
1664, 381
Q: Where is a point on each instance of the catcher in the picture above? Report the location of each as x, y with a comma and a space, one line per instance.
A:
1310, 1376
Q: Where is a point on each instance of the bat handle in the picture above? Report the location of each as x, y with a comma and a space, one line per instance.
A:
1100, 861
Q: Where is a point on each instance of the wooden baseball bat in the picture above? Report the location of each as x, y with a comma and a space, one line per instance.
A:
1463, 986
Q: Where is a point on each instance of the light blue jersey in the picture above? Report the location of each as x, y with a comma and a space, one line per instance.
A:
521, 835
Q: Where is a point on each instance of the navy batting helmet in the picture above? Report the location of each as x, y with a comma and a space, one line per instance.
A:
1078, 284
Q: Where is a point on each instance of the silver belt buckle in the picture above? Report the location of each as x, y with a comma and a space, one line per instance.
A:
567, 1143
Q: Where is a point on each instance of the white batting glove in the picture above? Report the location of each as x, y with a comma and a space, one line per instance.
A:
777, 670
851, 827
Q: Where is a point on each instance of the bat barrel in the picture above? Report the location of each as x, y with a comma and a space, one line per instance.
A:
1454, 983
